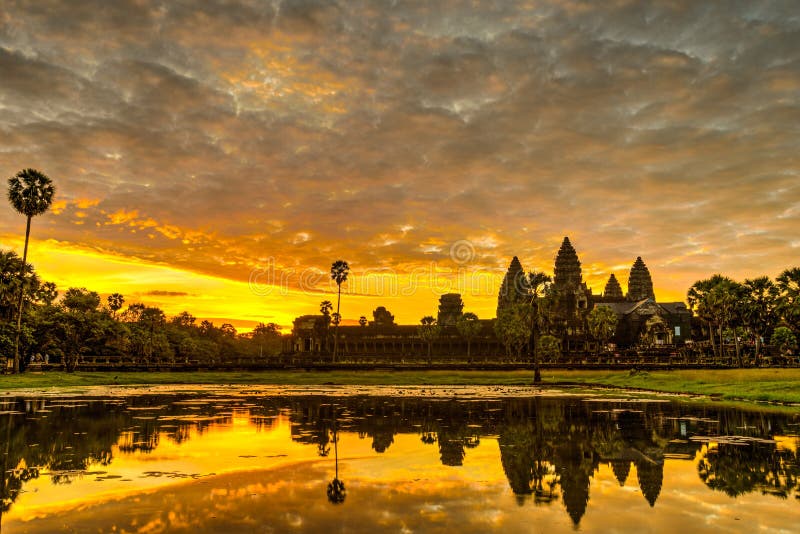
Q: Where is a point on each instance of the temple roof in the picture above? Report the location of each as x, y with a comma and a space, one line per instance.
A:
627, 307
511, 288
567, 268
613, 290
640, 285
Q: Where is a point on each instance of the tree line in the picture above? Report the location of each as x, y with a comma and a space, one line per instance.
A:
63, 330
756, 311
35, 326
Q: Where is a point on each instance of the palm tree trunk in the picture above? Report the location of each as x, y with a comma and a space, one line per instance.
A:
537, 374
336, 326
711, 338
21, 295
757, 357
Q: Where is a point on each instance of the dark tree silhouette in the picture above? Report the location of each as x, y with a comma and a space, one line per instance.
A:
115, 302
536, 286
336, 490
468, 326
30, 193
339, 271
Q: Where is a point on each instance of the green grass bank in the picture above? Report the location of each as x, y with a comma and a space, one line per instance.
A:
771, 385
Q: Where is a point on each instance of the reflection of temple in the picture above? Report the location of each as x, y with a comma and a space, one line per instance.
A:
550, 448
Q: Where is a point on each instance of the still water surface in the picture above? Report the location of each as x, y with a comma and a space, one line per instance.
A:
410, 460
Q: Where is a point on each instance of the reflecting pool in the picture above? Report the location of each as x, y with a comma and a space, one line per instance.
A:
394, 460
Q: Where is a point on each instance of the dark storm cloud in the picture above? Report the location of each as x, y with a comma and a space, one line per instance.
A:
215, 135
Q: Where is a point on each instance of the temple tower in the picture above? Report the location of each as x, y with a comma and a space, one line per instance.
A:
651, 477
511, 290
613, 290
567, 269
621, 470
450, 309
640, 285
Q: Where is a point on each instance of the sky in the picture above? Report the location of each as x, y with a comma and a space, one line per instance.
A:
219, 157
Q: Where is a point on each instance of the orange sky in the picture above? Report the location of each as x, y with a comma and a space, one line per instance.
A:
222, 171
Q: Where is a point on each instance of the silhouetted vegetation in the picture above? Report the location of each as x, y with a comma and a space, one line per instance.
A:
751, 313
66, 330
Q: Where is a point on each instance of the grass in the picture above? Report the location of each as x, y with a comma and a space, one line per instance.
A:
771, 385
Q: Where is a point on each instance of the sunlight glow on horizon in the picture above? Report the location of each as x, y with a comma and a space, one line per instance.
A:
408, 296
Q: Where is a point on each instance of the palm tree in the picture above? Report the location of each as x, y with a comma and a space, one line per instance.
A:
788, 283
115, 302
30, 193
602, 322
698, 299
536, 285
760, 315
428, 330
726, 300
468, 326
339, 272
325, 308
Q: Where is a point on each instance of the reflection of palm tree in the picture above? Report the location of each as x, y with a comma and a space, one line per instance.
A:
527, 458
3, 488
336, 489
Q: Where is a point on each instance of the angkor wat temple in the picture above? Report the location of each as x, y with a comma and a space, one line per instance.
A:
641, 320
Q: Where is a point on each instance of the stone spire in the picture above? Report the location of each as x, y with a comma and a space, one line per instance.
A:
567, 269
640, 285
621, 470
511, 290
613, 290
450, 309
651, 476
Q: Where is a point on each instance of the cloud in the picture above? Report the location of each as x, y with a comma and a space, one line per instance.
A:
211, 137
162, 293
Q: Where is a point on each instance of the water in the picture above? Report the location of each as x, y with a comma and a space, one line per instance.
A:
401, 460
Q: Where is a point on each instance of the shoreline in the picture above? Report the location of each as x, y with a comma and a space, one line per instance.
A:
751, 386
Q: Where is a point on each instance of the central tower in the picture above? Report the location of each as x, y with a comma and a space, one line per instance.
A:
567, 270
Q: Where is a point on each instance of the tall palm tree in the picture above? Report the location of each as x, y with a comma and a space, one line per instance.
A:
698, 299
760, 315
536, 286
468, 326
788, 284
115, 302
339, 272
30, 193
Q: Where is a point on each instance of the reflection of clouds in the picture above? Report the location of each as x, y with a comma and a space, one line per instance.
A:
292, 499
628, 127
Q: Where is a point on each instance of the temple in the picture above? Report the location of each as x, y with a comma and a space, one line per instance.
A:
641, 320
